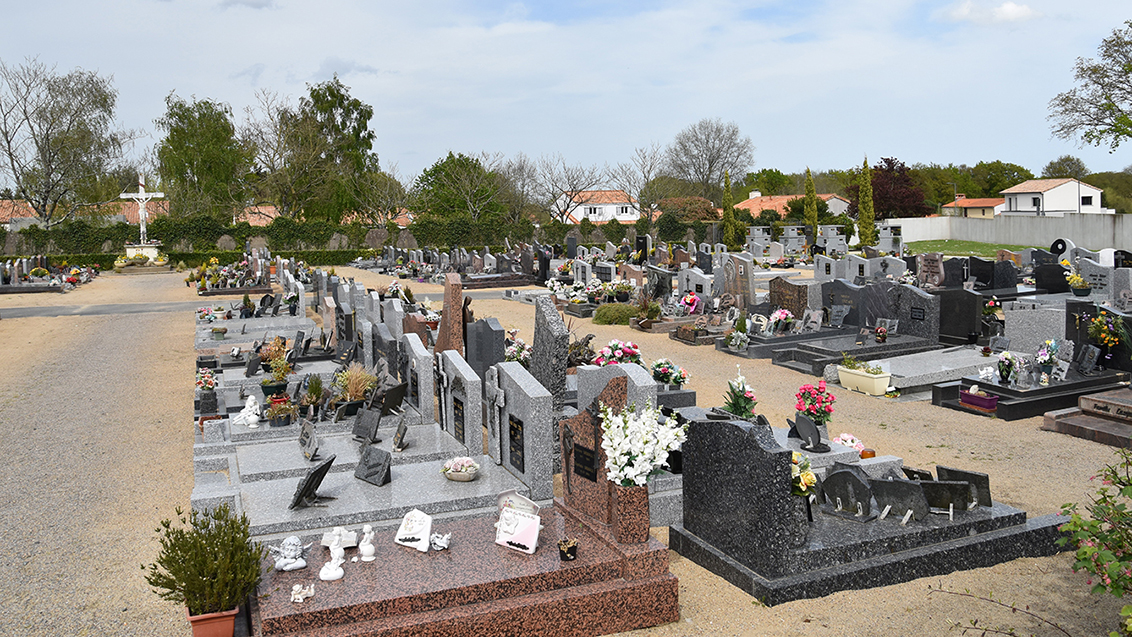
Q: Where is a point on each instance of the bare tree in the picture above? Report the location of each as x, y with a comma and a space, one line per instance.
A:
57, 136
563, 186
520, 174
640, 179
705, 150
289, 151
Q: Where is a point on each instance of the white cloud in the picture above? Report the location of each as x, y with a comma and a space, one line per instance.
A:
969, 11
251, 4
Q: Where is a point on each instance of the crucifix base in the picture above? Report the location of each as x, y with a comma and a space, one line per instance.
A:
150, 250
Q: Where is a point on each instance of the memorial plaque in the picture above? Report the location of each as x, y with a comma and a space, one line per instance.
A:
919, 314
306, 493
516, 450
399, 442
942, 495
414, 389
862, 336
365, 427
1060, 372
916, 474
252, 366
892, 325
374, 466
584, 463
458, 419
999, 344
929, 269
308, 440
981, 481
1090, 354
837, 315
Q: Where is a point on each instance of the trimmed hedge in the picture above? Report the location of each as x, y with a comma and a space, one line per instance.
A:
614, 314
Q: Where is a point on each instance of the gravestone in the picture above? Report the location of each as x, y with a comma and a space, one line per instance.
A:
704, 262
1051, 278
1005, 275
393, 315
1098, 276
451, 332
694, 280
460, 401
549, 351
374, 466
960, 313
918, 313
1042, 257
982, 270
487, 345
899, 496
586, 486
879, 300
841, 293
955, 272
790, 296
520, 423
415, 324
658, 283
387, 348
929, 269
418, 373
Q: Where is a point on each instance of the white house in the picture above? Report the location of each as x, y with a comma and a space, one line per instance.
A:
1053, 198
600, 206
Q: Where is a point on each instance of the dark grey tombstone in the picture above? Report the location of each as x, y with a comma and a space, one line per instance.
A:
941, 494
1051, 278
527, 259
365, 427
549, 350
838, 314
1005, 275
998, 345
308, 440
389, 348
960, 312
902, 496
879, 300
374, 466
658, 282
954, 272
543, 267
981, 481
737, 493
808, 432
854, 495
918, 312
916, 474
1087, 359
703, 262
982, 270
1122, 259
252, 368
208, 403
840, 292
486, 346
912, 263
571, 247
1042, 257
399, 442
306, 493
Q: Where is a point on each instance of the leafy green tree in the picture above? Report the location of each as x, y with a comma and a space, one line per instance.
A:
643, 226
699, 228
613, 230
728, 199
343, 122
57, 136
380, 196
770, 181
796, 211
866, 216
290, 167
689, 209
1099, 108
995, 176
201, 161
1065, 166
811, 204
669, 227
459, 184
586, 227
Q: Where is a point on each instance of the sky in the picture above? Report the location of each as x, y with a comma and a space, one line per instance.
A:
813, 83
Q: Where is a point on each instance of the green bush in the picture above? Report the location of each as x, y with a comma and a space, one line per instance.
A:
614, 232
614, 314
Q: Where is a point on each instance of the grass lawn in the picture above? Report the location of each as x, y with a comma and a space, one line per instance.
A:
964, 248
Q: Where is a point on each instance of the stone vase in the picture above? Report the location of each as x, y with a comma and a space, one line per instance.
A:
802, 516
631, 514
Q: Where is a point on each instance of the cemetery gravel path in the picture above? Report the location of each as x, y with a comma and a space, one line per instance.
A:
100, 450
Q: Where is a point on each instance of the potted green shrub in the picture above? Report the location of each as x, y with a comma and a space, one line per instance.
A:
277, 382
313, 395
351, 386
860, 376
209, 564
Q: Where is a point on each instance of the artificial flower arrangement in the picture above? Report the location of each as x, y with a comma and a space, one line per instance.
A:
1077, 281
618, 353
781, 318
881, 333
849, 440
691, 301
802, 476
281, 408
738, 340
519, 352
1007, 365
1047, 353
907, 278
72, 280
740, 398
637, 445
566, 268
205, 379
623, 287
815, 402
992, 307
1106, 329
669, 373
461, 464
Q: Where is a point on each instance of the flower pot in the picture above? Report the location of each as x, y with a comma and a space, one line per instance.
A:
622, 297
271, 389
631, 514
568, 554
461, 476
352, 407
989, 402
218, 336
304, 410
1047, 369
221, 624
1081, 291
293, 309
280, 421
266, 366
871, 384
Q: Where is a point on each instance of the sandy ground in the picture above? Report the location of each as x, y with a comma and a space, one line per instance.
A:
100, 450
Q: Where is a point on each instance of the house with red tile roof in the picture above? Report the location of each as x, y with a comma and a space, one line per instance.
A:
759, 202
975, 208
1053, 198
600, 206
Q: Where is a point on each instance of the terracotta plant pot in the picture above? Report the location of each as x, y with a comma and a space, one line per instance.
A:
631, 514
221, 624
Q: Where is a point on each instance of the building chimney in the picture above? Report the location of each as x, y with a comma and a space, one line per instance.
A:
755, 194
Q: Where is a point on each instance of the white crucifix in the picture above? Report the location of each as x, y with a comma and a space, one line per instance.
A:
142, 198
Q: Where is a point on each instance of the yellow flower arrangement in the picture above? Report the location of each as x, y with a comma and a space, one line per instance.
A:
1106, 329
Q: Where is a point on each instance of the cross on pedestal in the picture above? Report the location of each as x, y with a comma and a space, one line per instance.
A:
142, 198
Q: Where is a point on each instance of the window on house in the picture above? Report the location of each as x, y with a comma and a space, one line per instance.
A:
1036, 202
624, 210
1086, 201
591, 211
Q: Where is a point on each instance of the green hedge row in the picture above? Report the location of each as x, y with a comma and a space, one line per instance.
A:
105, 260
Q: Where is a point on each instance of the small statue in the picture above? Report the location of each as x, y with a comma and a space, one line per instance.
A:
440, 542
289, 554
365, 547
332, 570
299, 594
249, 416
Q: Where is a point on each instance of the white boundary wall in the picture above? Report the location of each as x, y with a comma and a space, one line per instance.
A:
1094, 232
